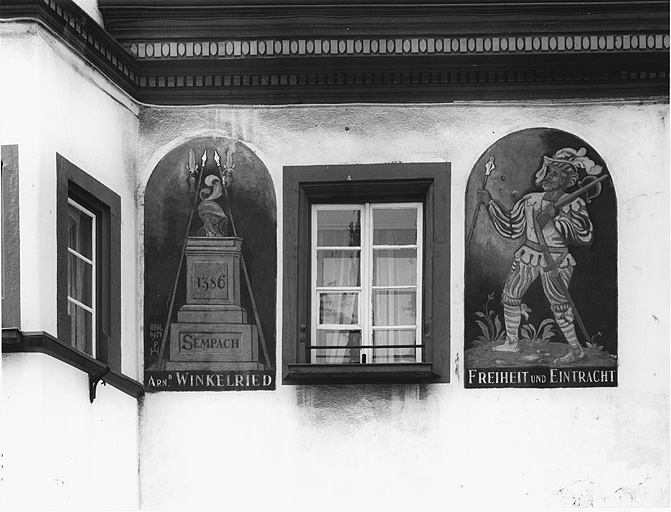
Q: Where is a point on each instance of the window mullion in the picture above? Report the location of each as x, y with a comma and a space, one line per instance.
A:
81, 305
94, 285
366, 284
80, 256
419, 356
93, 262
314, 310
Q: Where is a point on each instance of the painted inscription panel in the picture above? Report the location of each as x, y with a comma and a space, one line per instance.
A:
210, 270
541, 265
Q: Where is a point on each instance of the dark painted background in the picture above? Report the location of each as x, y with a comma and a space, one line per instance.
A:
489, 257
167, 206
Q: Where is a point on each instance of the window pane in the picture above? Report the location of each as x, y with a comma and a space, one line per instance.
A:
80, 280
394, 226
338, 268
80, 232
339, 308
395, 267
347, 339
394, 307
81, 328
394, 355
338, 228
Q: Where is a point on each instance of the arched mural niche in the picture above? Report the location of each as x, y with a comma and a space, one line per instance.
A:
540, 265
210, 243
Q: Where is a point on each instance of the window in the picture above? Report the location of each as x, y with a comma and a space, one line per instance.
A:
82, 277
88, 265
366, 283
366, 273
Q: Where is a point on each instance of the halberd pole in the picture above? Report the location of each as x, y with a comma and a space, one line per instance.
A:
191, 169
489, 167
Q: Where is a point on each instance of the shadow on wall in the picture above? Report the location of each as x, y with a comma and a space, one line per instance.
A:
323, 402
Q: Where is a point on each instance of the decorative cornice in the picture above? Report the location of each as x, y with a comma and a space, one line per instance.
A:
399, 45
82, 33
271, 51
186, 19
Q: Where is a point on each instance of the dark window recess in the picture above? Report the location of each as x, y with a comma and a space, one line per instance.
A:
88, 293
366, 273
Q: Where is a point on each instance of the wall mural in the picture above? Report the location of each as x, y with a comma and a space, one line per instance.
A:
541, 265
210, 270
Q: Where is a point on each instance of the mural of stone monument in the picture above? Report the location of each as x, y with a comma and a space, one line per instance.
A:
208, 331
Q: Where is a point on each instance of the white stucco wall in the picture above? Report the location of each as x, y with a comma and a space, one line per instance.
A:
59, 451
58, 104
323, 447
438, 446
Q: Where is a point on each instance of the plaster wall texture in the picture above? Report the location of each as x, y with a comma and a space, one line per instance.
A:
325, 447
58, 104
59, 450
409, 446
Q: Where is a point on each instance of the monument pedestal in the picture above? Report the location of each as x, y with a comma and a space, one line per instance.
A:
211, 332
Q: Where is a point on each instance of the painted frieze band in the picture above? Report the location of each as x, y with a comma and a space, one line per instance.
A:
385, 46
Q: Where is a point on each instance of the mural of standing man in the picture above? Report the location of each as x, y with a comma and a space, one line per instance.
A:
548, 222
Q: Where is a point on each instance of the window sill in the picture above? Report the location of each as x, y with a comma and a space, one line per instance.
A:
14, 340
360, 373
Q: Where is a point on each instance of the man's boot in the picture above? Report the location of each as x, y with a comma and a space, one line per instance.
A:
512, 314
564, 317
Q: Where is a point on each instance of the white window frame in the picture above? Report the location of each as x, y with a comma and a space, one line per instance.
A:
94, 297
366, 289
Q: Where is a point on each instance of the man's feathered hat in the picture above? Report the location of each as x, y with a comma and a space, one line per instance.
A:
572, 161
